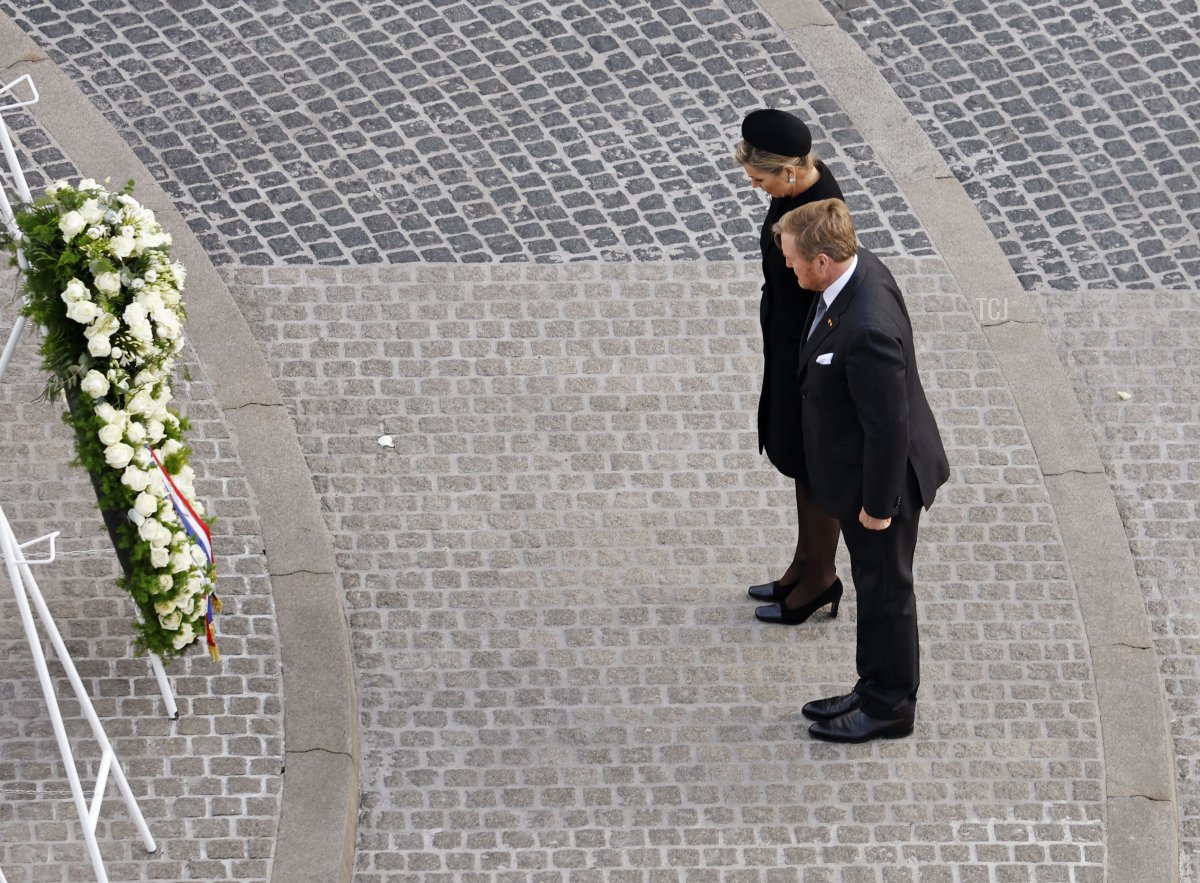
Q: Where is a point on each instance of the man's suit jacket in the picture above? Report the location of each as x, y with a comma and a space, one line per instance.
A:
870, 439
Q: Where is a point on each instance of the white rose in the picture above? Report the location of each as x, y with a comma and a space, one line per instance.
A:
94, 384
159, 556
118, 456
95, 232
82, 311
171, 620
141, 403
99, 346
198, 556
180, 562
136, 480
110, 434
71, 224
154, 431
75, 291
142, 331
148, 530
135, 516
188, 605
146, 503
165, 606
136, 432
106, 325
108, 282
91, 212
185, 637
121, 246
165, 582
87, 184
107, 412
55, 186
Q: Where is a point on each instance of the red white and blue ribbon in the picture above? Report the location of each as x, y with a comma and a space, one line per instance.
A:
195, 527
192, 523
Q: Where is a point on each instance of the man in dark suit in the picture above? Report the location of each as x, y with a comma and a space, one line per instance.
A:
873, 458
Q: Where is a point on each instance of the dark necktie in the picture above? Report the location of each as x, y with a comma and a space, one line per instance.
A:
821, 308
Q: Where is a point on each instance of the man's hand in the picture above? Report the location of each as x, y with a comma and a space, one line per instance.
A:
873, 523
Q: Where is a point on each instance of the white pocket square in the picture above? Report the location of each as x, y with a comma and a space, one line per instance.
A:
825, 359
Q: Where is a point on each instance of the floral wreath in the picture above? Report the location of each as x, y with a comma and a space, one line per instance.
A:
100, 281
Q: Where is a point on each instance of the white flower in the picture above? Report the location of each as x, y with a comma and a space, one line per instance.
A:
142, 458
154, 430
82, 311
118, 456
137, 479
146, 503
136, 433
165, 606
122, 246
111, 434
185, 637
141, 403
108, 282
149, 529
99, 346
171, 620
75, 291
87, 184
107, 413
55, 186
71, 224
135, 516
188, 605
106, 325
91, 212
198, 556
94, 384
95, 232
180, 562
165, 582
159, 557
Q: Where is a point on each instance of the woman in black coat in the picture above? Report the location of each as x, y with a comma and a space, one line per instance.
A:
775, 153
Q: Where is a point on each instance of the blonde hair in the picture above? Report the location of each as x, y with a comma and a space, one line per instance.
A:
771, 163
821, 227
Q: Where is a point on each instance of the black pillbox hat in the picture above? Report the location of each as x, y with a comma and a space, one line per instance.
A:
777, 131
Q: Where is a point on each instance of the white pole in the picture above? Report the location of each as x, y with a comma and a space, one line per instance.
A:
8, 545
85, 704
164, 687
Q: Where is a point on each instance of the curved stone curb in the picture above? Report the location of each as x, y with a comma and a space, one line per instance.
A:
318, 819
1138, 753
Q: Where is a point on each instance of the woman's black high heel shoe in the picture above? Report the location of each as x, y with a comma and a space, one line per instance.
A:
783, 615
772, 592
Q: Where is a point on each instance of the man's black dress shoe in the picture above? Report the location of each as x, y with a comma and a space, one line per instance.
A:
772, 592
857, 726
834, 706
782, 614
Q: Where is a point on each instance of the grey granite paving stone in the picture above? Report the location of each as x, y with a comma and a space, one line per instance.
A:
1147, 344
560, 677
1071, 124
208, 783
488, 132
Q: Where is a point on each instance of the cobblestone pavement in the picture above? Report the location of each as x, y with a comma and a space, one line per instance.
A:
1071, 123
314, 132
208, 783
1147, 344
560, 676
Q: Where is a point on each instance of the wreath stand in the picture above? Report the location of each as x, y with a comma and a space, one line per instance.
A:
26, 590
